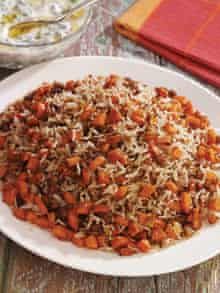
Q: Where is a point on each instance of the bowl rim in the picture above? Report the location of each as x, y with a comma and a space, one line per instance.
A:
88, 17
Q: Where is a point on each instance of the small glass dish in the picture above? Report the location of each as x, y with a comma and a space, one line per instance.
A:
17, 56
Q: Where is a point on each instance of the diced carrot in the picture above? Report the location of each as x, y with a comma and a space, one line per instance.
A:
33, 164
22, 187
42, 222
120, 220
158, 223
121, 192
100, 120
183, 100
9, 195
70, 85
41, 205
114, 139
188, 108
97, 162
84, 208
2, 141
119, 241
211, 136
102, 241
144, 245
61, 233
175, 206
73, 221
211, 155
78, 241
19, 213
110, 81
117, 155
176, 153
147, 190
151, 137
3, 170
162, 92
164, 140
120, 179
186, 202
170, 129
138, 117
170, 185
196, 219
201, 152
101, 209
170, 231
115, 100
91, 242
73, 161
114, 116
158, 235
214, 204
31, 217
211, 178
142, 218
40, 109
193, 121
127, 251
104, 147
52, 218
69, 197
86, 176
103, 177
134, 229
212, 218
86, 114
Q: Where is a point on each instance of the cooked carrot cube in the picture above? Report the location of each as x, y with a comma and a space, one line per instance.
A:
144, 245
211, 136
2, 141
193, 121
86, 176
69, 197
22, 187
114, 116
170, 185
158, 235
211, 178
103, 177
61, 233
162, 92
120, 220
42, 222
84, 208
100, 120
201, 152
117, 155
97, 162
41, 110
86, 114
78, 241
31, 217
121, 192
175, 206
147, 190
183, 100
196, 219
170, 231
134, 229
211, 155
186, 202
110, 81
73, 221
212, 218
73, 161
102, 241
142, 218
33, 164
19, 213
91, 242
115, 100
41, 205
214, 204
170, 129
164, 140
138, 117
3, 170
119, 241
101, 209
120, 179
158, 223
127, 251
176, 153
104, 147
114, 139
52, 218
9, 194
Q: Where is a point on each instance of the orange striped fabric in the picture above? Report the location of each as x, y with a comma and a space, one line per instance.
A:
186, 32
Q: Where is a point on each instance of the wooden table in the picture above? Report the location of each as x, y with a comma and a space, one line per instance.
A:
21, 271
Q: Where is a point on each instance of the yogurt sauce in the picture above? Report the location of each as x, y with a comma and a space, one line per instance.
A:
14, 11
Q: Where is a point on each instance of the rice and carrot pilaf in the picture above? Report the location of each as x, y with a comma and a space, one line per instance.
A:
110, 163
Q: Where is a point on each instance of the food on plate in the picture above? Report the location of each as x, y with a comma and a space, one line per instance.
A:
110, 163
15, 11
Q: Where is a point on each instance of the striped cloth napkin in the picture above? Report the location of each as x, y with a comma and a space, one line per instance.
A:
187, 32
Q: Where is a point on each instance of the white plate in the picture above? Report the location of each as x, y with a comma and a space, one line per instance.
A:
186, 253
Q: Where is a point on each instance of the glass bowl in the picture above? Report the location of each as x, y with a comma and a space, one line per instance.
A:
17, 56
